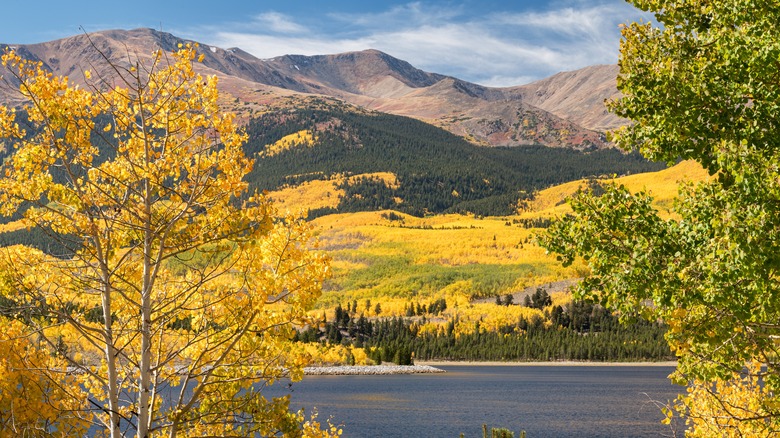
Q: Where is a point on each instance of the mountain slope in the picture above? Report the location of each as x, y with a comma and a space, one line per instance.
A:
361, 73
371, 79
71, 56
577, 96
434, 171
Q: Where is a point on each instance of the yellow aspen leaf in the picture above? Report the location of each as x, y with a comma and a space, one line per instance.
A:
160, 259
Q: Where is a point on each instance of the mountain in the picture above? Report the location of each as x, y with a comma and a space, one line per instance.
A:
430, 170
362, 161
577, 96
492, 116
565, 110
314, 123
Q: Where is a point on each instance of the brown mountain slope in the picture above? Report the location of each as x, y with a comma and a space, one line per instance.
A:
71, 56
577, 96
364, 73
450, 105
491, 116
548, 112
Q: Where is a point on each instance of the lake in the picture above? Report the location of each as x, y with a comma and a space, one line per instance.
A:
543, 400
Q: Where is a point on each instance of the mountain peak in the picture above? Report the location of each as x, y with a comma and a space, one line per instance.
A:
551, 112
353, 72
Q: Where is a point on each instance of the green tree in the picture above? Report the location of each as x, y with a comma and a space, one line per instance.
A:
701, 85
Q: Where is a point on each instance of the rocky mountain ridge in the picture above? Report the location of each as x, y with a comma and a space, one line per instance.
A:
565, 110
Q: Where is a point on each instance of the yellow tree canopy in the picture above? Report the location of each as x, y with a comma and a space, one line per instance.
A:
178, 296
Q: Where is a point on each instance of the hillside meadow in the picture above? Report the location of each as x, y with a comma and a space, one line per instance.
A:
385, 263
397, 260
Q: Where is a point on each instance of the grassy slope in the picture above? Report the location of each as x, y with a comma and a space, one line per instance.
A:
662, 185
458, 257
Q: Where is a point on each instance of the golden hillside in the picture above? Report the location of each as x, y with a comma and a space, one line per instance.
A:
399, 258
663, 185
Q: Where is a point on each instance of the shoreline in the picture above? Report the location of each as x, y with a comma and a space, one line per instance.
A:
432, 367
370, 370
550, 364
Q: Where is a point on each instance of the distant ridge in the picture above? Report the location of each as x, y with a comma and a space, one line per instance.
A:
577, 96
565, 110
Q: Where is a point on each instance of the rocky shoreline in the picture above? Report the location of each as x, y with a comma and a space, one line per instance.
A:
367, 370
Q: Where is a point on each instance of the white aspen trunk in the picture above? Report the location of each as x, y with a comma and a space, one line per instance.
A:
145, 382
111, 357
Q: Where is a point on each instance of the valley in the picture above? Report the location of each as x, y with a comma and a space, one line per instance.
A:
565, 205
470, 262
425, 191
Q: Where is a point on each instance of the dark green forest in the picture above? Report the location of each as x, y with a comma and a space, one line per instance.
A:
579, 332
430, 163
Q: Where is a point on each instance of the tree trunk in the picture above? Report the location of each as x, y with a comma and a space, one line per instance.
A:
145, 382
111, 357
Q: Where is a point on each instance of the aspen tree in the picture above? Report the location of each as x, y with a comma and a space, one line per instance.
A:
176, 301
701, 85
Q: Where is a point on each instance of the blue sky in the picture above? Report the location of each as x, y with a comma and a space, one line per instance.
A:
495, 43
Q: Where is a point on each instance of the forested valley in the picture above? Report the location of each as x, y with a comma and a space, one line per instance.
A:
436, 171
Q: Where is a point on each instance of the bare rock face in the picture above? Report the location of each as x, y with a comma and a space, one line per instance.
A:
565, 110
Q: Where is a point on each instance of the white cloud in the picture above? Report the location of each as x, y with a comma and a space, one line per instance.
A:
277, 22
410, 14
269, 46
497, 49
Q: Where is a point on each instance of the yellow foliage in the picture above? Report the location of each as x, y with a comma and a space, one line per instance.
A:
171, 284
314, 429
489, 316
662, 185
321, 193
335, 354
12, 226
449, 240
36, 394
468, 253
741, 406
560, 299
300, 138
308, 195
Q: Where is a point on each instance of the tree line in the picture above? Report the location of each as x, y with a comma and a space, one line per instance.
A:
579, 331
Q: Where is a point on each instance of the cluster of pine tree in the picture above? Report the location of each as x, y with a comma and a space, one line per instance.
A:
579, 332
40, 239
437, 172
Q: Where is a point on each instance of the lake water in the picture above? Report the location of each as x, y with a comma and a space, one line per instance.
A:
545, 401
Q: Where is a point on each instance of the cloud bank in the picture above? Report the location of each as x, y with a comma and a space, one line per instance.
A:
494, 48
